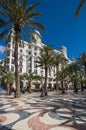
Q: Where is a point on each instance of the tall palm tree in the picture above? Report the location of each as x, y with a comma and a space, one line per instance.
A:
45, 60
58, 58
73, 70
79, 7
1, 71
1, 67
18, 14
82, 62
8, 78
81, 80
61, 76
62, 72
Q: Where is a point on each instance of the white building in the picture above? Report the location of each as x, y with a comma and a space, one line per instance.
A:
27, 55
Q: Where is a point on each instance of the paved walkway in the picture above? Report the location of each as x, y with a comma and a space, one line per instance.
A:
32, 112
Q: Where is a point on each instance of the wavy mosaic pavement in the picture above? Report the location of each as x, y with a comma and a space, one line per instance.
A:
32, 112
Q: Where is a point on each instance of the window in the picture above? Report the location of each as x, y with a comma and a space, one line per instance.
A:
12, 54
35, 71
12, 68
21, 44
13, 46
35, 47
35, 53
29, 70
41, 67
12, 61
35, 59
9, 45
21, 58
8, 53
20, 70
49, 72
7, 67
7, 60
21, 50
29, 65
29, 59
20, 63
29, 52
35, 65
42, 73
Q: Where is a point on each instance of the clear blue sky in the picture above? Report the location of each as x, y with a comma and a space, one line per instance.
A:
62, 28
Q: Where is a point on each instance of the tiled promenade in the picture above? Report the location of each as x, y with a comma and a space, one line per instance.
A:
32, 112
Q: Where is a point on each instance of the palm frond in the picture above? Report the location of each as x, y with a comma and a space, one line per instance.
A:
32, 14
8, 5
32, 7
79, 7
24, 3
2, 35
4, 13
36, 24
2, 23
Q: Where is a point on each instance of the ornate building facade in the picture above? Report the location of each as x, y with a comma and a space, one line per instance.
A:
27, 55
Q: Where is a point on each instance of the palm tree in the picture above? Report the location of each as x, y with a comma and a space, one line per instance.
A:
1, 67
1, 71
63, 73
18, 14
31, 77
45, 60
22, 81
82, 63
61, 76
58, 59
8, 78
79, 7
81, 80
73, 70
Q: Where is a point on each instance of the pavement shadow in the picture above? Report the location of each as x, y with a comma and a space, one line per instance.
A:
5, 128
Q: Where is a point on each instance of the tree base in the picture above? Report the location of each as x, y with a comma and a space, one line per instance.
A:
16, 95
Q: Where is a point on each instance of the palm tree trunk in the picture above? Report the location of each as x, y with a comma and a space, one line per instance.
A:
16, 66
82, 88
62, 85
45, 85
75, 86
75, 83
30, 87
57, 86
8, 89
85, 75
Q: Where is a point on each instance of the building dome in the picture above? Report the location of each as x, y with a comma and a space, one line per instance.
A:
63, 50
36, 37
37, 32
